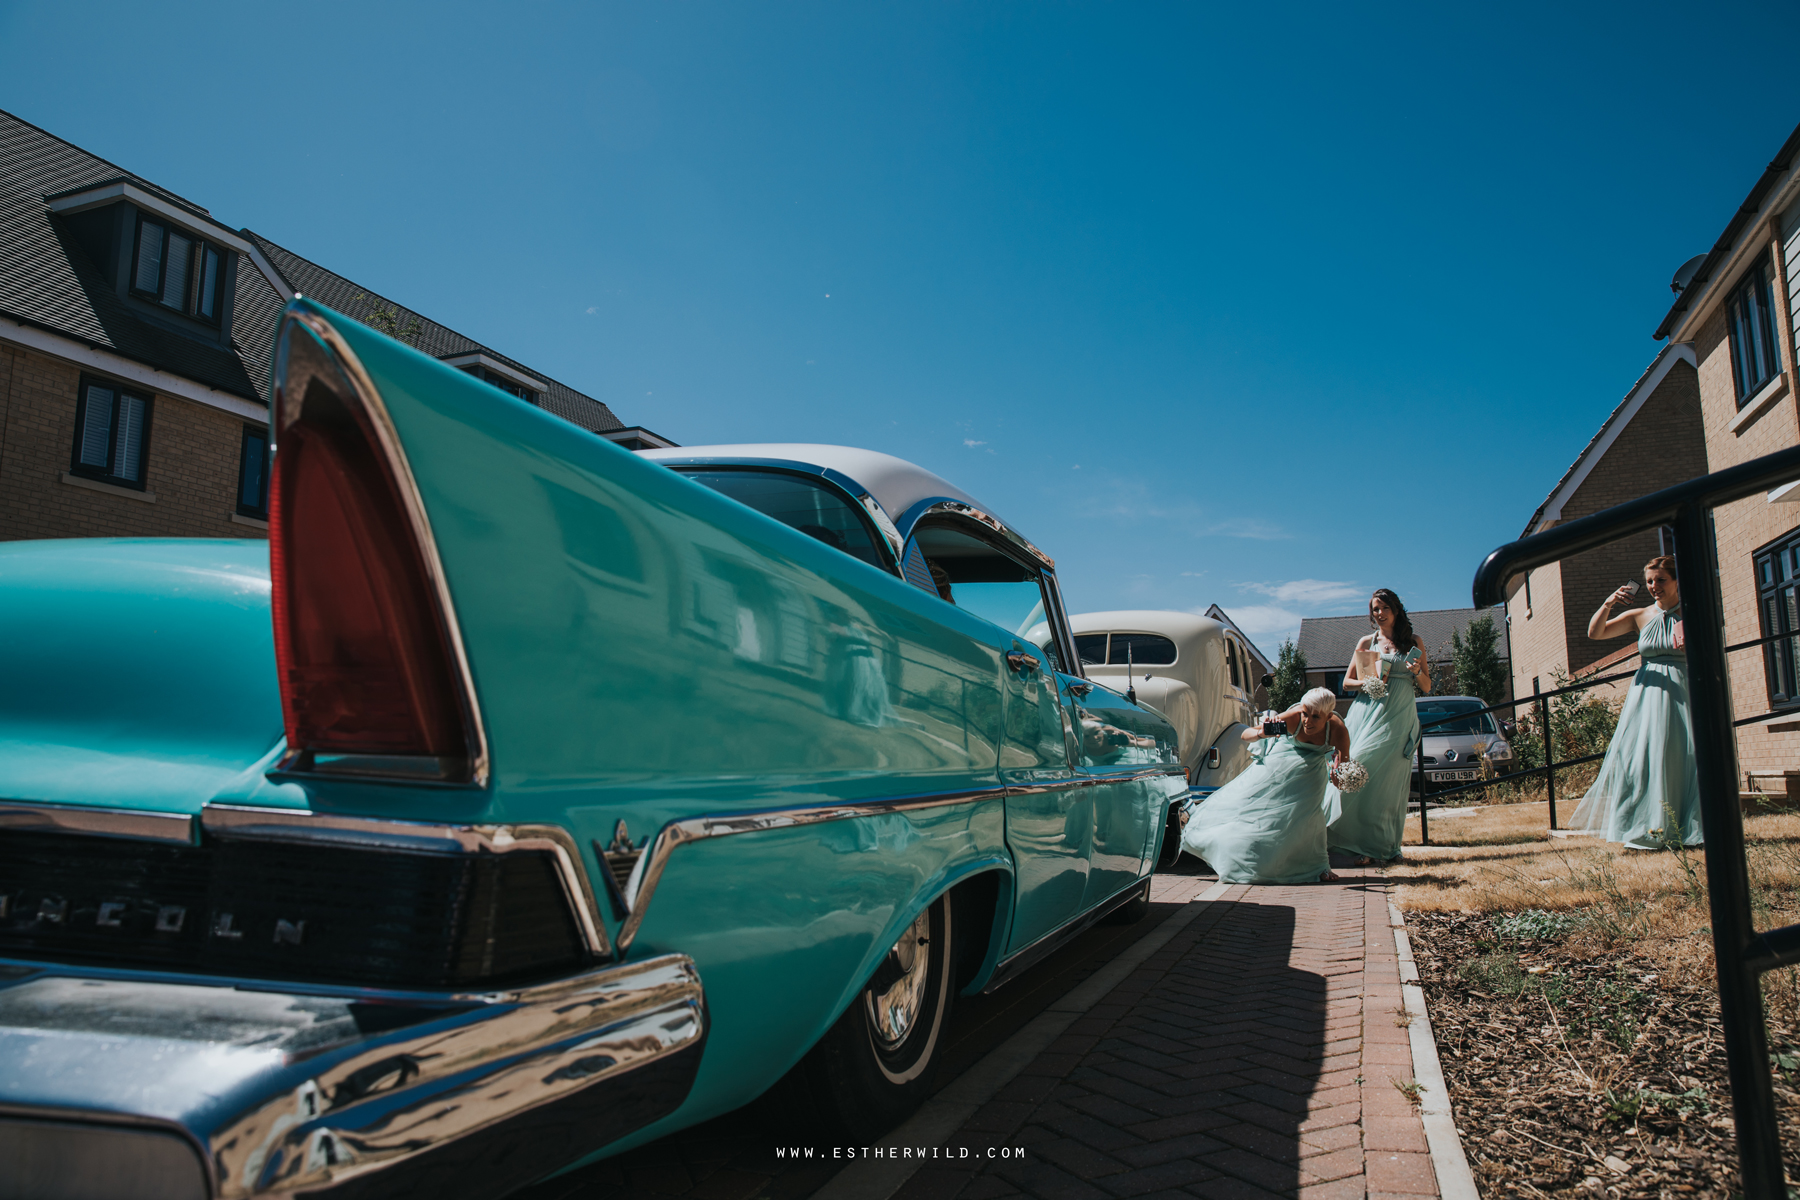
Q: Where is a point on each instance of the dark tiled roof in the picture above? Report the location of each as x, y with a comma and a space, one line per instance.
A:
1326, 642
354, 300
1219, 614
48, 280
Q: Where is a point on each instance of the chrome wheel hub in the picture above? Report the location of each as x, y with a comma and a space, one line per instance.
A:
894, 1012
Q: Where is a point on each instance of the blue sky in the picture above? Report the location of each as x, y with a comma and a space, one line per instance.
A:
1258, 305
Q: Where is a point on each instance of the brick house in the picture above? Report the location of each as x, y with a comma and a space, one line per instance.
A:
1327, 643
1737, 314
1652, 439
135, 338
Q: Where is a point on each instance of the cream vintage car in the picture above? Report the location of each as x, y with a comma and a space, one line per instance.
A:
1192, 669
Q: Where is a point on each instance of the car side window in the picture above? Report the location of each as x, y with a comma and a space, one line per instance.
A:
975, 575
1090, 648
809, 505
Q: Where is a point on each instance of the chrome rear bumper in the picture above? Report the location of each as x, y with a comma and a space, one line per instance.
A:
338, 1093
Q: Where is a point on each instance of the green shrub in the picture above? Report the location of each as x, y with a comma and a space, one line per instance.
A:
1536, 924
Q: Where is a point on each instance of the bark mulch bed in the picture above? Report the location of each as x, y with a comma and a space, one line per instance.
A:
1582, 1074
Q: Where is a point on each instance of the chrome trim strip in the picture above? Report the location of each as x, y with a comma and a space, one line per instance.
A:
910, 519
1077, 781
302, 825
23, 815
288, 400
649, 869
878, 514
648, 872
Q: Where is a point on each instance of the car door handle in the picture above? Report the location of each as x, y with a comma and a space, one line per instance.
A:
1080, 689
1020, 661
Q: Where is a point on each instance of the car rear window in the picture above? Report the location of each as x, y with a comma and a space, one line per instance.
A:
811, 506
1141, 649
1475, 721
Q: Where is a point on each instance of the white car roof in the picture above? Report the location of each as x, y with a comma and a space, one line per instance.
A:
896, 484
1179, 626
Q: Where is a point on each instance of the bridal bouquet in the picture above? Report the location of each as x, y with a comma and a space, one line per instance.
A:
1349, 775
1375, 688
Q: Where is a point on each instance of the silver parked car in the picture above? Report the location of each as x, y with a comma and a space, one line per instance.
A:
1456, 750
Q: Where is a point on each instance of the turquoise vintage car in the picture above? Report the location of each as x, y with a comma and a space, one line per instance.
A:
524, 799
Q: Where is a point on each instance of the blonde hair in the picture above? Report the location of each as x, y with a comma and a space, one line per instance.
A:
1320, 700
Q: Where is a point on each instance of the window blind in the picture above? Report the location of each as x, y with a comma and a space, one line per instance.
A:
256, 457
176, 272
149, 263
130, 440
96, 427
209, 282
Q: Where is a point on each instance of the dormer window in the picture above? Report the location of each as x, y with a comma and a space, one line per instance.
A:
504, 376
503, 383
176, 269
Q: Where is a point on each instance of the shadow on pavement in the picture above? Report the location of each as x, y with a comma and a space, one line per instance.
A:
733, 1157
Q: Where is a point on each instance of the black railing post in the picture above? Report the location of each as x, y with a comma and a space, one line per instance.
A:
1722, 820
1419, 763
1543, 706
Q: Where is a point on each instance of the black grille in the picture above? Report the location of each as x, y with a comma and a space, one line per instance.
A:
281, 910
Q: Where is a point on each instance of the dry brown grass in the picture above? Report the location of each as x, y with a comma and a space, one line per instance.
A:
1570, 786
1501, 859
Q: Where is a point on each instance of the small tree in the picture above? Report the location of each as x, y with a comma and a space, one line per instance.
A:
1475, 659
1289, 683
387, 320
1582, 722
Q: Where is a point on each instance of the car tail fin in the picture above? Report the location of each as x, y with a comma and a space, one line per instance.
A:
373, 676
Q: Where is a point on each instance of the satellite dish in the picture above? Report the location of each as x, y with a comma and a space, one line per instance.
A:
1685, 274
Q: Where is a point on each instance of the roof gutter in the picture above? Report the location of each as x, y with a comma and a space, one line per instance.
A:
1745, 214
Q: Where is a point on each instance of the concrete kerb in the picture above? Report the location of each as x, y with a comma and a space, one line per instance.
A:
946, 1112
1455, 1180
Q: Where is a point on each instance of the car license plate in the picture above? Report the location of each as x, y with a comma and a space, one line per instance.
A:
1453, 776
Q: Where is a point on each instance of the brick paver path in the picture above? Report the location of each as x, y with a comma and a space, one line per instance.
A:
1255, 1055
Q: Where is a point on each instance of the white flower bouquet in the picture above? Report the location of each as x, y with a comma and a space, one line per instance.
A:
1349, 775
1375, 688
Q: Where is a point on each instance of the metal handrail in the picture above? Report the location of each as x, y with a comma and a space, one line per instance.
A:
1741, 954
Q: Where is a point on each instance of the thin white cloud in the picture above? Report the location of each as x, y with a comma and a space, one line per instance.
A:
592, 311
1267, 625
1308, 592
971, 443
1248, 527
1192, 574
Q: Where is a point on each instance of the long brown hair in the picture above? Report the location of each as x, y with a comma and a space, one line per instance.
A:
1403, 630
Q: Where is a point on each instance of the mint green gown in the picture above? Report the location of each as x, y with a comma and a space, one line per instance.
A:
1383, 735
1267, 826
1647, 794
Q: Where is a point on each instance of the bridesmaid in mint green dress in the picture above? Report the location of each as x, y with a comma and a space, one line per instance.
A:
1384, 732
1267, 825
1647, 794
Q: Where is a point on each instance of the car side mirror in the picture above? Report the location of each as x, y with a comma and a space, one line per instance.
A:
1268, 681
1212, 759
1509, 728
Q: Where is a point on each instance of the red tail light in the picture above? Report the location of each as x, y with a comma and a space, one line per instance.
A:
371, 681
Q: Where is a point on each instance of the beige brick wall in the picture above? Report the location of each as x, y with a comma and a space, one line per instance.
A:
1538, 646
191, 467
1743, 527
1664, 445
